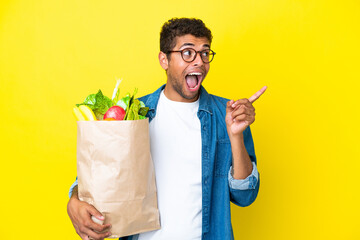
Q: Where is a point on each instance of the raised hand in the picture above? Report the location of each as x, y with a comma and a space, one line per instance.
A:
241, 113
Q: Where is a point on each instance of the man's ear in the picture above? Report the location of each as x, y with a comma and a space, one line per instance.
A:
163, 60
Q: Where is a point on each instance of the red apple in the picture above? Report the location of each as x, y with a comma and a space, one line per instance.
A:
115, 112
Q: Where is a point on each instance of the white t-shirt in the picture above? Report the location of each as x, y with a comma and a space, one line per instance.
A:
175, 138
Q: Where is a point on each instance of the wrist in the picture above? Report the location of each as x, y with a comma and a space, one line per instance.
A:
74, 199
73, 203
74, 194
236, 137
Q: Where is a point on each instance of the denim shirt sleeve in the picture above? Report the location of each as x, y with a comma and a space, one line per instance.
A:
72, 187
244, 192
244, 184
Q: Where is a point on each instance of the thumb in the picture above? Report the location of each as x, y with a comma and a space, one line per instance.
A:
229, 108
94, 212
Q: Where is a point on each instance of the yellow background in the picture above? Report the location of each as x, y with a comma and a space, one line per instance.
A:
54, 53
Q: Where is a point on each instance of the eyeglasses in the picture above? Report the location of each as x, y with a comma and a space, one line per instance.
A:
189, 55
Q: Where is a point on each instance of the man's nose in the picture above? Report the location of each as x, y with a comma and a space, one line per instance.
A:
198, 61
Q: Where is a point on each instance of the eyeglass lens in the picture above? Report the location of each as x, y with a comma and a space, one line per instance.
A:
189, 55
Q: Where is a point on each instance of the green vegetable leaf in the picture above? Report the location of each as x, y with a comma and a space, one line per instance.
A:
133, 112
91, 99
102, 103
143, 110
124, 102
98, 103
133, 96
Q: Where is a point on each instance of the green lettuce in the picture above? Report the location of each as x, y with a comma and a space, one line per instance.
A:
99, 103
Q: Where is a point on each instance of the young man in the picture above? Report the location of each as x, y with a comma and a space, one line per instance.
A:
201, 146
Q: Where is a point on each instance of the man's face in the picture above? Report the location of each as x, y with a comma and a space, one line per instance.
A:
184, 79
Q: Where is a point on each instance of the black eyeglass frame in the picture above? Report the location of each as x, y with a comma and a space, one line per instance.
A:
200, 52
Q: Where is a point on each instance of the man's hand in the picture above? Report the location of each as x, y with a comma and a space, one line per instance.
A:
80, 214
240, 114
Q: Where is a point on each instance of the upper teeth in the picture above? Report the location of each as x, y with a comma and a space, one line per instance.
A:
194, 73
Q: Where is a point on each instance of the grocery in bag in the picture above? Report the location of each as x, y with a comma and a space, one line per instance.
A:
114, 166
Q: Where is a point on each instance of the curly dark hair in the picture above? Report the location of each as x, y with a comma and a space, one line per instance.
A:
177, 27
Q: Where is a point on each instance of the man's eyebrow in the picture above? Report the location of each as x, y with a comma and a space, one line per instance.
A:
187, 44
191, 44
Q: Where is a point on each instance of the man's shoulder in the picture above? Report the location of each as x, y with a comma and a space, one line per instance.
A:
151, 99
217, 103
145, 98
216, 98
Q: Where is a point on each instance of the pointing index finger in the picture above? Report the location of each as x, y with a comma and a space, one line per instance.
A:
257, 94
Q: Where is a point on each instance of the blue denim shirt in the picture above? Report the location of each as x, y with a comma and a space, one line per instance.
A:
219, 188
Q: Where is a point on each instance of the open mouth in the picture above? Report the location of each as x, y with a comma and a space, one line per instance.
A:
193, 80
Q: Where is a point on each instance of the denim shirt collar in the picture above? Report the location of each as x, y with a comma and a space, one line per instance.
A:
153, 100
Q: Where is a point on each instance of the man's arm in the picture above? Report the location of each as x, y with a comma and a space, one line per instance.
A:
244, 191
239, 116
242, 166
80, 214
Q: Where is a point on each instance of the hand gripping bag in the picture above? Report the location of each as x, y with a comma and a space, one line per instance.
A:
116, 174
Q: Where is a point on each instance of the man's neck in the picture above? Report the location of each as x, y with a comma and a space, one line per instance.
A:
172, 95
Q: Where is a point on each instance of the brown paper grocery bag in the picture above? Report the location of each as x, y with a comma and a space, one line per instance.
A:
116, 174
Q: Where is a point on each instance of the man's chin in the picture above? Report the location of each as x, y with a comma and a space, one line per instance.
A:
190, 95
184, 94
